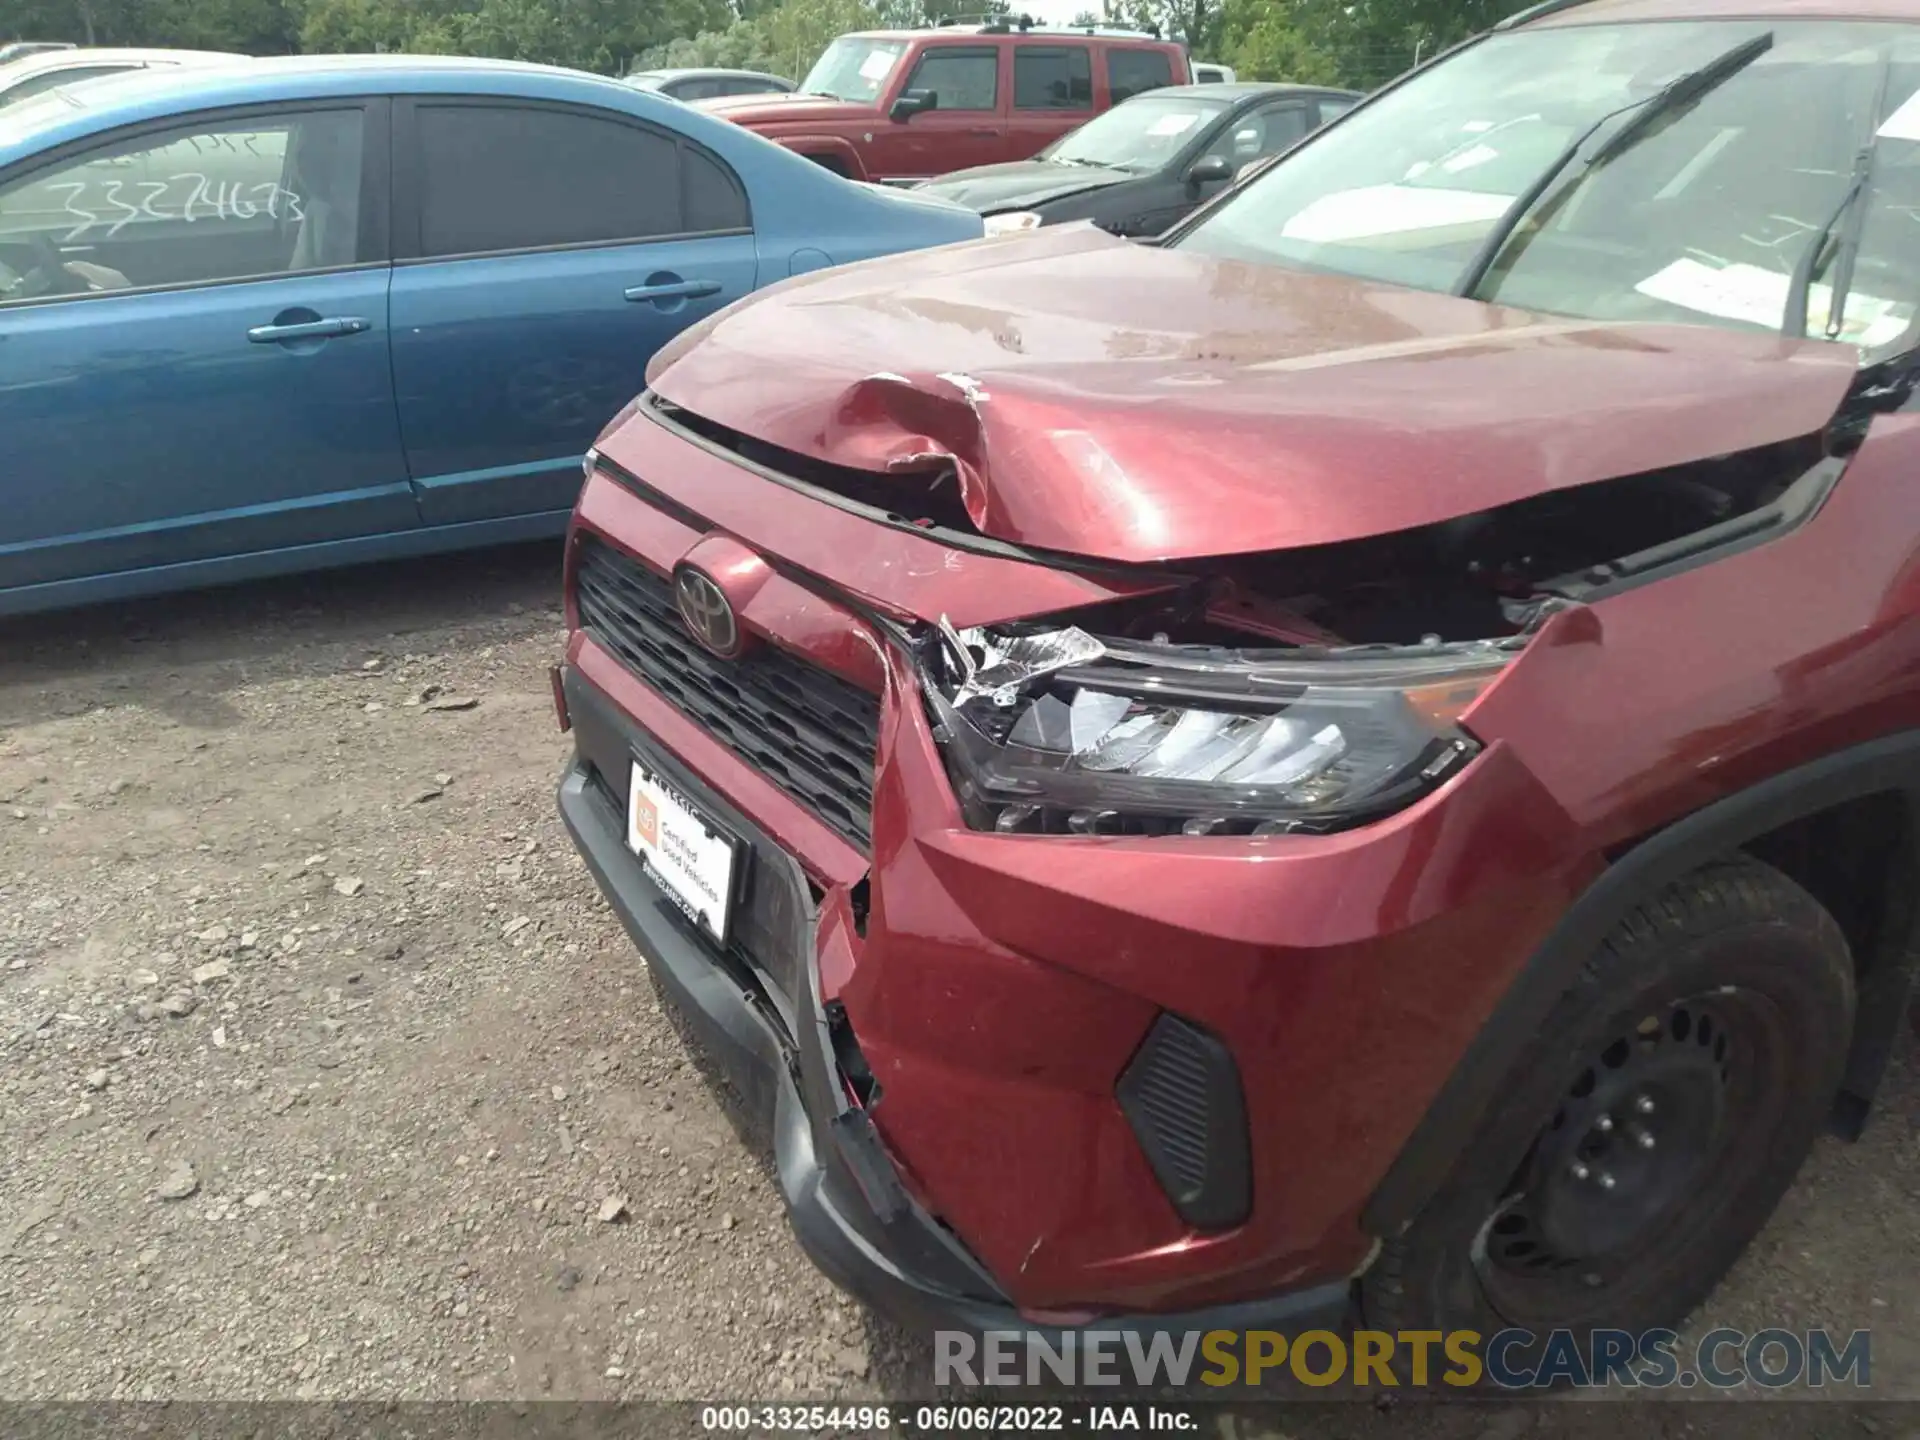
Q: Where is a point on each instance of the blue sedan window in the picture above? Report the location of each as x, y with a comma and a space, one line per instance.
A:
507, 177
194, 204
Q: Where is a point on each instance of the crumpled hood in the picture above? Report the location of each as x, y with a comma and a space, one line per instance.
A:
987, 188
1125, 402
785, 106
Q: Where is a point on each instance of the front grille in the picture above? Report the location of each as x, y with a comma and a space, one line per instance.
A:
808, 731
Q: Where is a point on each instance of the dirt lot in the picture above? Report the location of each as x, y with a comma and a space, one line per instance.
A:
320, 1060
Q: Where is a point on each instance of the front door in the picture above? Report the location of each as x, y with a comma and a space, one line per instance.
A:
193, 345
547, 252
966, 127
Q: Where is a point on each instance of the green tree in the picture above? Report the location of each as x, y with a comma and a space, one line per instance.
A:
795, 33
1356, 42
600, 35
253, 27
1261, 41
785, 40
258, 27
1366, 42
354, 26
1374, 40
1195, 21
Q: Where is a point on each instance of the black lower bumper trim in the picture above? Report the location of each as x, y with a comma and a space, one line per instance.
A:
893, 1256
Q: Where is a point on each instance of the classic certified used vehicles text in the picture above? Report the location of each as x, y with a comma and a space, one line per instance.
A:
1363, 752
308, 312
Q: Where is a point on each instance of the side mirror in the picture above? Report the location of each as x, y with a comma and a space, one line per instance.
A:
1210, 170
911, 103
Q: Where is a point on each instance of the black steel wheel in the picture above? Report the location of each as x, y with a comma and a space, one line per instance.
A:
1661, 1113
1687, 1091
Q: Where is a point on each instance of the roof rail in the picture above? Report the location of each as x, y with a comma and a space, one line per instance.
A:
1536, 12
990, 22
994, 24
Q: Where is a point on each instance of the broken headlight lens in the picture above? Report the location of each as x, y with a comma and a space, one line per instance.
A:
1062, 732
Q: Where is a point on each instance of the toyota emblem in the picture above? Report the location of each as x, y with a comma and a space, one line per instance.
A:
706, 612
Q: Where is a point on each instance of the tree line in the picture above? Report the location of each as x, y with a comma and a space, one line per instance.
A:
1359, 43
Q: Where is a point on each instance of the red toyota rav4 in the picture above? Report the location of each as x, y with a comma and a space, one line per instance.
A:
900, 105
1364, 752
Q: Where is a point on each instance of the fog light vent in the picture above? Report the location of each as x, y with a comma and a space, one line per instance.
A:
1181, 1094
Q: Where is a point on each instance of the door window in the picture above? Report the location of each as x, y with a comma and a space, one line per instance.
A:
1131, 71
962, 79
511, 177
1333, 109
1052, 77
697, 89
267, 195
713, 197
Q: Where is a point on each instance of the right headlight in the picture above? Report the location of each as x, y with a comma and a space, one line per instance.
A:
1057, 731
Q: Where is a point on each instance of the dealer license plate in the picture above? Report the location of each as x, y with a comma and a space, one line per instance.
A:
692, 858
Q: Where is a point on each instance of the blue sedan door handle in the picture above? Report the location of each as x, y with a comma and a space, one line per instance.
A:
668, 287
309, 330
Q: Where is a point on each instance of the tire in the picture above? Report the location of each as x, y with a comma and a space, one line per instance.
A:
833, 164
1648, 1131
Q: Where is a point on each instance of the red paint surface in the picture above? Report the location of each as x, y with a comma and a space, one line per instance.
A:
1003, 982
1115, 400
1122, 402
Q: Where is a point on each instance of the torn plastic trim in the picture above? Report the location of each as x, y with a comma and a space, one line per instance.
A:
1058, 731
1796, 505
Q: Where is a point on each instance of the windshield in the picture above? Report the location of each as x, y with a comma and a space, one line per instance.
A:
1703, 217
854, 68
1140, 135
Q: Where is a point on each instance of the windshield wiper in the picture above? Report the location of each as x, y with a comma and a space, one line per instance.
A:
1850, 218
1579, 158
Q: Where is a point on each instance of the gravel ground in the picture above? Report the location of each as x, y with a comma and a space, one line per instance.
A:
324, 1072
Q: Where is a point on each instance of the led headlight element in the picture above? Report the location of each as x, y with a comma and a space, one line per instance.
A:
1062, 731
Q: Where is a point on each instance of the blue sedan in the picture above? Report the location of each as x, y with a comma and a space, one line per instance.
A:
311, 312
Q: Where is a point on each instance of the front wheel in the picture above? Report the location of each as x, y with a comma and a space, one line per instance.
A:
1663, 1110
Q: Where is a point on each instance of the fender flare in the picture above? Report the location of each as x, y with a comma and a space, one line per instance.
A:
837, 146
1887, 765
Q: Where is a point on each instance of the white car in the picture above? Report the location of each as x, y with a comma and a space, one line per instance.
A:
1212, 74
33, 74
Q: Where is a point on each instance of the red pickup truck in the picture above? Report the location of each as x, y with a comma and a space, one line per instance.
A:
901, 105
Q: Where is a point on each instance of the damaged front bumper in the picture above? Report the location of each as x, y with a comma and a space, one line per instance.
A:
844, 1198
